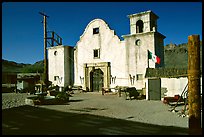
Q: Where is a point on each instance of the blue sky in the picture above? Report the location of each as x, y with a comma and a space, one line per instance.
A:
22, 30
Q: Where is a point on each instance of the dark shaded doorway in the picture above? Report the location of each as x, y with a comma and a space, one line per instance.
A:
139, 26
96, 80
154, 89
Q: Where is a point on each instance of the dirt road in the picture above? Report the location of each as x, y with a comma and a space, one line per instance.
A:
93, 113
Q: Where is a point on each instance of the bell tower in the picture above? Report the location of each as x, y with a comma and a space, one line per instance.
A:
143, 37
143, 22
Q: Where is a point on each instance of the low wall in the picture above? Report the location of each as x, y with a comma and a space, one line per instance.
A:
174, 86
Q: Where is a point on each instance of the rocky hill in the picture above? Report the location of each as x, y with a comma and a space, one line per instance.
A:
176, 56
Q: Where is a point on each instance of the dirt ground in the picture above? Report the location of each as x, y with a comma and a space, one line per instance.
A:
92, 113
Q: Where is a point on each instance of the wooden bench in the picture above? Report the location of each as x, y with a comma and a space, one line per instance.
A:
106, 90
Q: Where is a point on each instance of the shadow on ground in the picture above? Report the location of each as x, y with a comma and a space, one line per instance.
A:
30, 120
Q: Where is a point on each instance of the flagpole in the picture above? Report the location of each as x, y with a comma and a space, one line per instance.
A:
147, 59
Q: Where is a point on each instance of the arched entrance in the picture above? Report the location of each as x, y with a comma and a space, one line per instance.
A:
96, 76
96, 80
139, 26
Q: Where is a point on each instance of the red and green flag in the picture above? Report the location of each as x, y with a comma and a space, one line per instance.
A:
154, 58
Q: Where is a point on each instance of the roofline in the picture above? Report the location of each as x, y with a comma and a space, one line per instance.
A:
142, 13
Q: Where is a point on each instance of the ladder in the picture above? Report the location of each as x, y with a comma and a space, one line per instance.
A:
185, 95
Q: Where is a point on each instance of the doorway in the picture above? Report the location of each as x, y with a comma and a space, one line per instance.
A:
96, 80
154, 89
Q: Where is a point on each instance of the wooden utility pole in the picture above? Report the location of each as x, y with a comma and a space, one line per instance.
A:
194, 95
45, 75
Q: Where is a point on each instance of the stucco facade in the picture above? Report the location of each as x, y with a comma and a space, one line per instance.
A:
127, 60
101, 59
143, 37
175, 86
110, 59
168, 87
60, 65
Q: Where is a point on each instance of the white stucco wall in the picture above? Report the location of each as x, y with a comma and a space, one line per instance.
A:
56, 65
137, 55
59, 65
21, 84
148, 18
144, 17
126, 58
111, 50
175, 86
172, 86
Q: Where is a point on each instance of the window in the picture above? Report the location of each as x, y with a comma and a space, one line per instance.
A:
55, 78
138, 42
96, 53
139, 77
55, 53
95, 30
139, 26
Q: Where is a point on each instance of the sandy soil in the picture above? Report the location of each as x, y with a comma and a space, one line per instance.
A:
88, 111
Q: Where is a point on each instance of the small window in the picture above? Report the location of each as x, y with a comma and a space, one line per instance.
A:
139, 26
55, 53
95, 30
96, 53
138, 42
55, 78
139, 77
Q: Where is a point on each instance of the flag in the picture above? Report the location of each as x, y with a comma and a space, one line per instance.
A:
154, 58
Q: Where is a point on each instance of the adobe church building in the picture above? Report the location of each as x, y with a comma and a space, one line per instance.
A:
100, 59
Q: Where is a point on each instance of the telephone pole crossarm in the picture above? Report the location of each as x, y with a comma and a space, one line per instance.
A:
44, 14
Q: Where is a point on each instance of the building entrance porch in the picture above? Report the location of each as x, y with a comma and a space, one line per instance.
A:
97, 76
